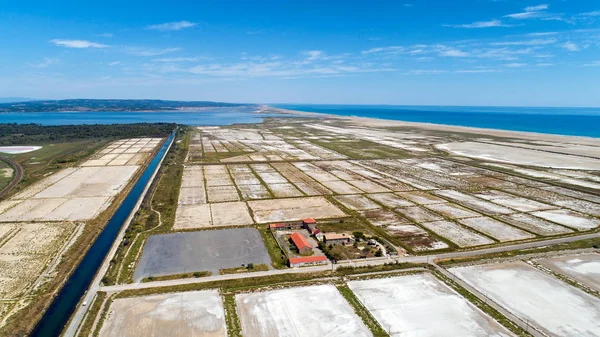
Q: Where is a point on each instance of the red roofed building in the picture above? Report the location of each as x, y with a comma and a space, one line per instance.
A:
309, 221
301, 243
307, 260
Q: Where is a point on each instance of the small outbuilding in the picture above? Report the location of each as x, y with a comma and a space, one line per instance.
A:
337, 239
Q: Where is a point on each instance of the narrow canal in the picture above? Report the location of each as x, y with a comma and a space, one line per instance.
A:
63, 306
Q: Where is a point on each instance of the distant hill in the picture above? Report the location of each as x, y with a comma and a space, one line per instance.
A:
108, 105
15, 99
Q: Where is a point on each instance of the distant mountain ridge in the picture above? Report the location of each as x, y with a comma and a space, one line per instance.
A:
110, 105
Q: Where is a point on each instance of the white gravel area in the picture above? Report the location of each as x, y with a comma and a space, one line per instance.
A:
496, 229
314, 311
357, 202
193, 314
552, 305
583, 268
569, 218
457, 234
423, 306
530, 157
535, 225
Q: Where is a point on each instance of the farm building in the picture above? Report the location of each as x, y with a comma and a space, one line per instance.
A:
337, 239
307, 261
285, 226
301, 243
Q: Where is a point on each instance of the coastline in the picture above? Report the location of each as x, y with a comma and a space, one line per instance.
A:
379, 122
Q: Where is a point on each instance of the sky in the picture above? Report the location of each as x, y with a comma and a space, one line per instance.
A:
419, 52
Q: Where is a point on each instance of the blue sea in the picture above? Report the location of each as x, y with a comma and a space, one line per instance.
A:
208, 116
562, 121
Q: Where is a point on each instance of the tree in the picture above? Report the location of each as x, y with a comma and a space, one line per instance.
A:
359, 236
250, 266
379, 253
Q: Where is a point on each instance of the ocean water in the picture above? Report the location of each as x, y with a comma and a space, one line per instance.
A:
562, 121
212, 116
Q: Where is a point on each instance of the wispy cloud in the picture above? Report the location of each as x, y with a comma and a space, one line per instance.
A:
451, 51
534, 42
481, 24
80, 44
44, 64
570, 46
515, 65
151, 52
106, 35
536, 8
592, 64
170, 26
176, 59
115, 63
536, 12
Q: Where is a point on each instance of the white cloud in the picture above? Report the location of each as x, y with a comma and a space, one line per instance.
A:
481, 24
536, 8
105, 35
536, 12
44, 64
515, 65
594, 13
451, 52
115, 63
176, 59
542, 34
80, 44
544, 64
534, 42
390, 49
169, 26
151, 52
592, 64
570, 46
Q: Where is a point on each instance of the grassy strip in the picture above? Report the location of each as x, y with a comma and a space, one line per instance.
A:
234, 328
581, 244
103, 315
278, 258
177, 276
345, 271
361, 311
499, 317
88, 324
230, 285
241, 270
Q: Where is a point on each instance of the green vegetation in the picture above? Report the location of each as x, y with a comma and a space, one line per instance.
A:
6, 174
108, 105
391, 266
20, 134
88, 323
161, 199
251, 267
234, 327
196, 274
278, 258
230, 285
362, 149
580, 244
483, 306
361, 311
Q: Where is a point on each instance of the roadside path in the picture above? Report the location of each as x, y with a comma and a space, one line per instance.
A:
18, 175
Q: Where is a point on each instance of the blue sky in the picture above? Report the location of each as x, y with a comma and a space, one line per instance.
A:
436, 52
